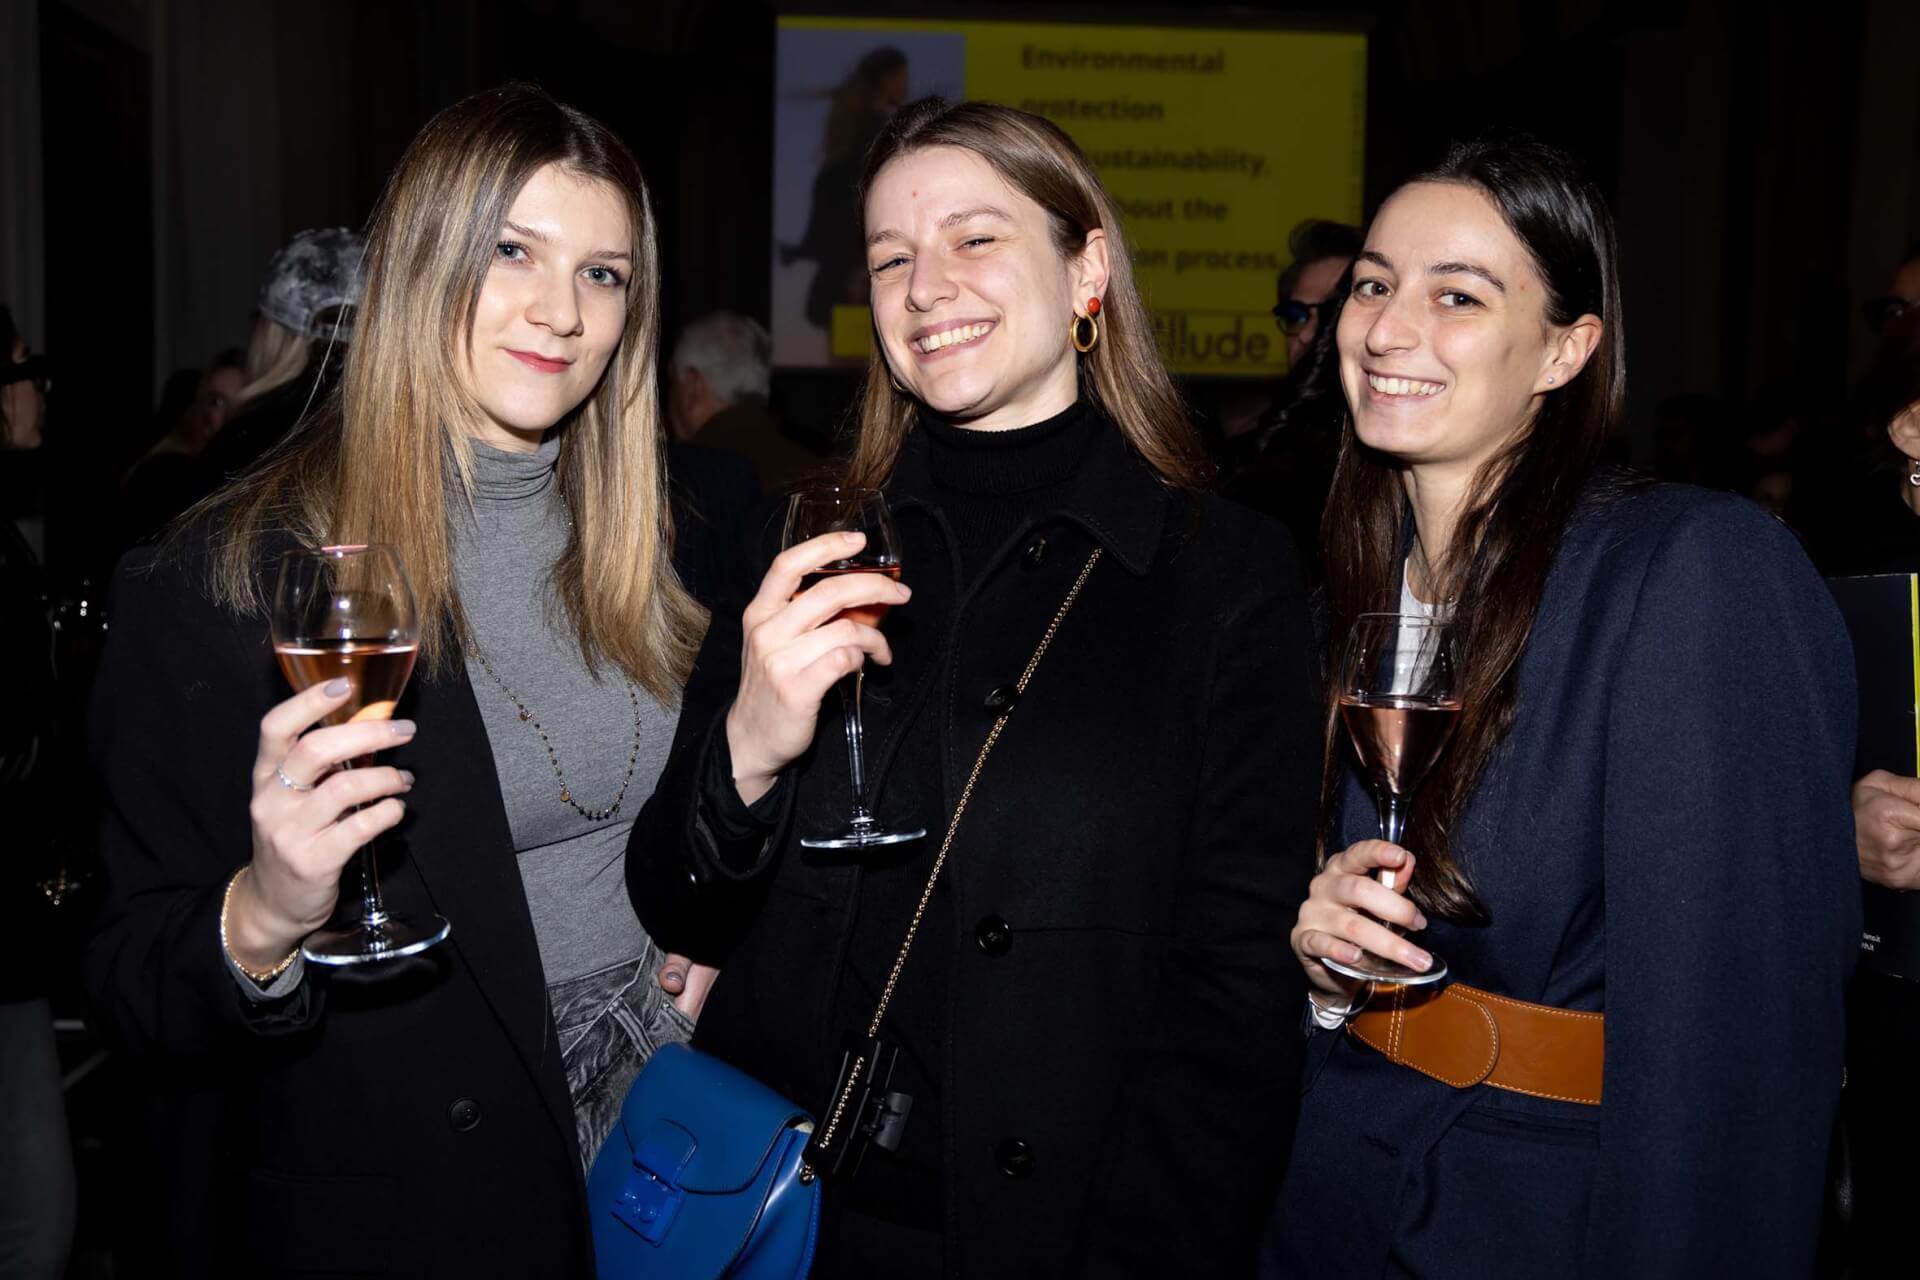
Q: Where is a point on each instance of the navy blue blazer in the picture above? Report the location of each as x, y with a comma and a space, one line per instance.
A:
1665, 836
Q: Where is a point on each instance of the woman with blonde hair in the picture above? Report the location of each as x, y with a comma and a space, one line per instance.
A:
496, 424
1093, 1035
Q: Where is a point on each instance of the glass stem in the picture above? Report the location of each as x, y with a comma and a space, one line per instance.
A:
1393, 816
856, 755
373, 912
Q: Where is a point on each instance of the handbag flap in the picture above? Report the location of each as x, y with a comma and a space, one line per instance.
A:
723, 1123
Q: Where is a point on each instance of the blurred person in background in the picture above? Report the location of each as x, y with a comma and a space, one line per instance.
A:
719, 378
168, 477
1902, 295
37, 1199
1320, 250
301, 330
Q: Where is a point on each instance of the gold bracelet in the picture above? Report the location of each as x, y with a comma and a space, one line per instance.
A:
259, 979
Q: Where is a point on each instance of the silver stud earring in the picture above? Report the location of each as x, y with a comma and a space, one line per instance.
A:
1549, 381
1913, 472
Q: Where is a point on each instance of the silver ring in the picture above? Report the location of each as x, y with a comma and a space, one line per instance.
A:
287, 782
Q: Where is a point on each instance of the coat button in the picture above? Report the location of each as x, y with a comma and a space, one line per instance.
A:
1015, 1158
993, 936
1003, 699
464, 1114
1035, 554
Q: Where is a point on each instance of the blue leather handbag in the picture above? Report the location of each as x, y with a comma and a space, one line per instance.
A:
701, 1178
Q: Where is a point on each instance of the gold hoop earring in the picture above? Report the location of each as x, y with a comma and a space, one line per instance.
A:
1083, 345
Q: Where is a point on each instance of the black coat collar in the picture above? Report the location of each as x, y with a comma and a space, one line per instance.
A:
1117, 498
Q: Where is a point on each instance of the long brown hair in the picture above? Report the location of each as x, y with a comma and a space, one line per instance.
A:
373, 464
1123, 374
1515, 512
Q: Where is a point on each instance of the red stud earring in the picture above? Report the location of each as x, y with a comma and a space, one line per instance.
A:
1093, 306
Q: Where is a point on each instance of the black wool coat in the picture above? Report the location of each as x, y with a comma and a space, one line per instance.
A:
1665, 837
1122, 1051
415, 1125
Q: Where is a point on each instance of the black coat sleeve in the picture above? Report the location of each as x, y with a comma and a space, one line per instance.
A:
1196, 1148
173, 734
692, 863
1732, 907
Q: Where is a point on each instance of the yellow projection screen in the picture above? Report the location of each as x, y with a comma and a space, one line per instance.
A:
1216, 141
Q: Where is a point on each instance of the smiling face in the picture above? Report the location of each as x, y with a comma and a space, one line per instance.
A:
552, 308
971, 298
1445, 345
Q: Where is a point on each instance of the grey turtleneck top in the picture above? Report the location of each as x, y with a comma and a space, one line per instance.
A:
572, 866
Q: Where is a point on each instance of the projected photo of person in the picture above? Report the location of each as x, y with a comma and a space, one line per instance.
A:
859, 111
838, 87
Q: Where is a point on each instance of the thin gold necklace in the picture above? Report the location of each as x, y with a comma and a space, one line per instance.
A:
527, 716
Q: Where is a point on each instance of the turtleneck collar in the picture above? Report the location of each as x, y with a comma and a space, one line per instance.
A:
501, 476
1021, 460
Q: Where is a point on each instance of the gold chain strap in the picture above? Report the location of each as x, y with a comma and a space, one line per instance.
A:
940, 861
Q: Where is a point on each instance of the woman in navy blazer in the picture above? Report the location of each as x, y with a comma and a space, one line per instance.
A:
1643, 812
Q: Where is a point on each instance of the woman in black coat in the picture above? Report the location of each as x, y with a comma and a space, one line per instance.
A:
1635, 855
495, 424
1097, 1023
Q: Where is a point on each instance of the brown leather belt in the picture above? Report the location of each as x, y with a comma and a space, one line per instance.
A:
1462, 1036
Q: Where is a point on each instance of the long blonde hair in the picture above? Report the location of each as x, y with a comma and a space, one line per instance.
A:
373, 463
1123, 374
276, 355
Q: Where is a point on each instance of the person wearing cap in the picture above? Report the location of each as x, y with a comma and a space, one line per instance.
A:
297, 349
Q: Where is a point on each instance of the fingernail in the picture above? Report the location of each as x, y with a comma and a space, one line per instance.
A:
336, 687
406, 776
1419, 922
1422, 961
852, 535
673, 978
402, 728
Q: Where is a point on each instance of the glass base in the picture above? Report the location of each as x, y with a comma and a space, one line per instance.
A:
398, 936
861, 836
1373, 968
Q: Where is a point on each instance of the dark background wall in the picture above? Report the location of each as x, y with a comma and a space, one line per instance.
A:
1763, 161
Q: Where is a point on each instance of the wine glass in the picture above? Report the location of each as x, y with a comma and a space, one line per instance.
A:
831, 509
1400, 700
349, 611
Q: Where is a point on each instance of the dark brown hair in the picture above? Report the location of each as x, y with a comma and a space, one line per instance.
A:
1123, 374
1519, 504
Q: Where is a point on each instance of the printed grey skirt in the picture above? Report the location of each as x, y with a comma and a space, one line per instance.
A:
610, 1023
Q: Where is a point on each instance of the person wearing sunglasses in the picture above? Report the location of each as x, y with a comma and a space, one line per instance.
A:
1322, 250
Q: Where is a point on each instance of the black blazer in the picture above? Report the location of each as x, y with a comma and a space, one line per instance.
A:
1122, 1000
417, 1125
1665, 836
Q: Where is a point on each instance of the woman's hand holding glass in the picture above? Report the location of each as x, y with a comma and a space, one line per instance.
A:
797, 647
303, 839
1343, 914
